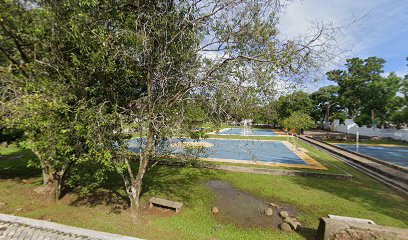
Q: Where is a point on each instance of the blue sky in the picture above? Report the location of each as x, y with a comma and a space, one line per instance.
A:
369, 27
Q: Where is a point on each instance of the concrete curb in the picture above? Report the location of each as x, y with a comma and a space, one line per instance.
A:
63, 228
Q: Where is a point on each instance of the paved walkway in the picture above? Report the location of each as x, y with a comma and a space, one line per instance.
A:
19, 228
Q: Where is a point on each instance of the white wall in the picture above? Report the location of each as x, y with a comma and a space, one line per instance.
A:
351, 127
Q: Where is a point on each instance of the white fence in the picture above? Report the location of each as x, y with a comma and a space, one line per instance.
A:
351, 127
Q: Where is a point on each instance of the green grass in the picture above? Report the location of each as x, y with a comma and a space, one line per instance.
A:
16, 165
105, 209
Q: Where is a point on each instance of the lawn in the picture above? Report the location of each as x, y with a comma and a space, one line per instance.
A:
105, 210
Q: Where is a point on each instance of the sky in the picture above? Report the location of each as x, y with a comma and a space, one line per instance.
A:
368, 28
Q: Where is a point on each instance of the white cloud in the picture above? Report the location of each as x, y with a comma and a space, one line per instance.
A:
368, 27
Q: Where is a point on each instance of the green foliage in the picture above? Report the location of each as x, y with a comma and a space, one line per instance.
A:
296, 102
326, 98
10, 134
400, 117
338, 115
198, 134
298, 121
62, 97
362, 89
195, 114
17, 29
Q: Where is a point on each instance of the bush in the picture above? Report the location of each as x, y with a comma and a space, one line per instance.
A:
298, 121
10, 134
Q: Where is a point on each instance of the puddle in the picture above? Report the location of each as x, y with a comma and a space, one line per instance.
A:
245, 209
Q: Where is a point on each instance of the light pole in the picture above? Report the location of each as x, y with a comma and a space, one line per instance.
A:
327, 115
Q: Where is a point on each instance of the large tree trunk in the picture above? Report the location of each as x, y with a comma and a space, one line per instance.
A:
136, 183
136, 187
54, 181
55, 184
54, 189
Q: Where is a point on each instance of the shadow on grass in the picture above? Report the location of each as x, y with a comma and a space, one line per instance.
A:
173, 183
15, 165
307, 233
176, 183
368, 193
108, 197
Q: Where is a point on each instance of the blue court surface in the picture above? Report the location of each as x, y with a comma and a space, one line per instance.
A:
245, 150
392, 154
247, 132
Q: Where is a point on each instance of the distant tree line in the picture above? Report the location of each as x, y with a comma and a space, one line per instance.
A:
361, 93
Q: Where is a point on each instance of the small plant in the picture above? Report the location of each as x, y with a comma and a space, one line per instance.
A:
198, 134
298, 121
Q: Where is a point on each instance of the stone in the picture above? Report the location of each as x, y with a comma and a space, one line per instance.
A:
273, 205
287, 220
214, 210
336, 229
295, 225
269, 212
284, 214
165, 203
285, 227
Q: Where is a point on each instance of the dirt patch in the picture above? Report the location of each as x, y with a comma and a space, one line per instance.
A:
245, 209
157, 211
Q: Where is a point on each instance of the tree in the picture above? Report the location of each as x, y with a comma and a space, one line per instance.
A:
298, 121
244, 36
327, 104
294, 102
16, 48
174, 35
103, 65
400, 116
29, 104
382, 100
46, 94
362, 89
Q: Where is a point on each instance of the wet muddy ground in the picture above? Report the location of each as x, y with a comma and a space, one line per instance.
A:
245, 209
